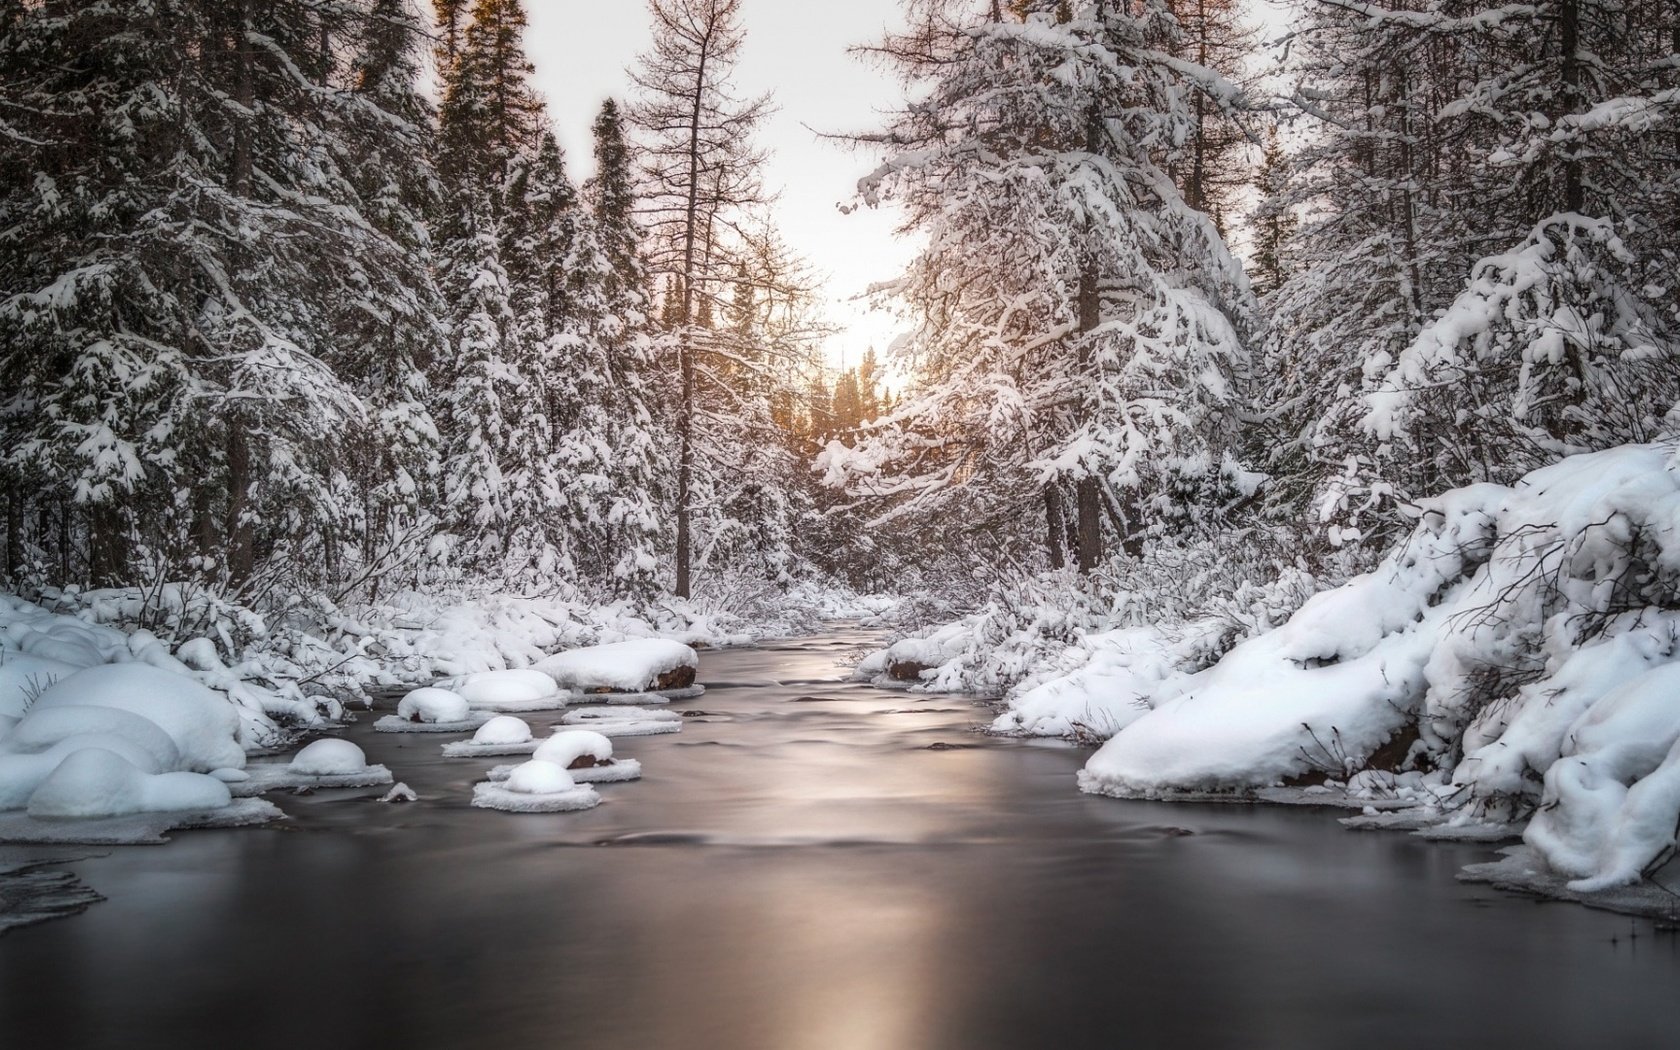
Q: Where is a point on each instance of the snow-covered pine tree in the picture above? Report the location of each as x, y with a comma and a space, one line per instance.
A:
1440, 134
1080, 328
1565, 339
611, 309
186, 242
1379, 245
496, 431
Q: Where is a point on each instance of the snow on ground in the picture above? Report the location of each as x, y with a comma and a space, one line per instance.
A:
111, 741
1515, 657
635, 666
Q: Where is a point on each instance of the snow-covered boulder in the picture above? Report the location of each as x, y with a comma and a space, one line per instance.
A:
202, 724
536, 787
501, 735
329, 758
434, 706
504, 691
586, 755
643, 665
325, 763
503, 729
95, 783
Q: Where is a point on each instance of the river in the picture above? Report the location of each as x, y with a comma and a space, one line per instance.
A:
818, 865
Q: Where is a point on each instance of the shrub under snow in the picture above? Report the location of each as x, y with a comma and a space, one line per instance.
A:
1517, 650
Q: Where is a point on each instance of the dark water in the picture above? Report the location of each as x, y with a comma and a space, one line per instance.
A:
799, 874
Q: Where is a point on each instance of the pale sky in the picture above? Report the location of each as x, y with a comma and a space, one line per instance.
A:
796, 49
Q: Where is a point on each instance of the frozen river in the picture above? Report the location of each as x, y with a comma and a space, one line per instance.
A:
814, 865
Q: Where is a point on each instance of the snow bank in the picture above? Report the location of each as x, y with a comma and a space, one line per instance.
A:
1518, 648
639, 666
203, 726
95, 783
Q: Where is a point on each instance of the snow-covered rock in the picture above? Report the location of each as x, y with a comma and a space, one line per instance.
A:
586, 756
536, 787
324, 763
522, 689
501, 735
202, 724
434, 706
329, 758
95, 783
643, 665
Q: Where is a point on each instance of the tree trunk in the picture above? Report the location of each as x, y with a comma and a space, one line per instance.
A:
1087, 493
240, 548
1056, 526
1574, 194
685, 345
14, 532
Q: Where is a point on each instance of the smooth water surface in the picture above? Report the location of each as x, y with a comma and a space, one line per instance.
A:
814, 865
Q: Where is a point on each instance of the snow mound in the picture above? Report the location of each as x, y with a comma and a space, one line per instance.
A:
536, 787
513, 690
328, 758
203, 725
638, 666
94, 783
399, 724
592, 716
325, 763
573, 745
615, 721
400, 793
24, 676
433, 706
503, 729
1519, 647
502, 735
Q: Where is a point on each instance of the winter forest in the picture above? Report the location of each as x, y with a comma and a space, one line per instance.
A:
1281, 401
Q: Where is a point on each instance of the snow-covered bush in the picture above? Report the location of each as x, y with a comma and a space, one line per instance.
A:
1051, 645
1518, 646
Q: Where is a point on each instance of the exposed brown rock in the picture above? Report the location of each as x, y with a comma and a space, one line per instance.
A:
906, 670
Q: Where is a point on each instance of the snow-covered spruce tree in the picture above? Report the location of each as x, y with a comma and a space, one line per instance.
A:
609, 296
1380, 243
1080, 329
496, 432
1439, 134
700, 174
185, 243
1565, 339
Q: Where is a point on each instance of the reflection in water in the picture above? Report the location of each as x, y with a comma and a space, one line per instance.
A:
799, 870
